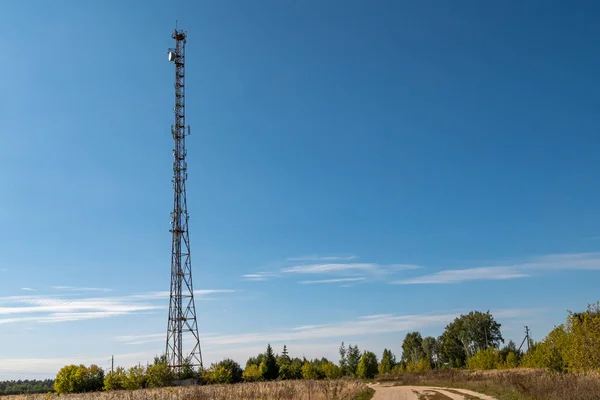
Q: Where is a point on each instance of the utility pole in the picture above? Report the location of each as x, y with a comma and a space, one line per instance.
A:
182, 310
527, 339
112, 364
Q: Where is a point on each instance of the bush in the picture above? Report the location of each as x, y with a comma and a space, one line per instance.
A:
218, 374
159, 375
485, 359
115, 380
79, 379
235, 371
252, 373
135, 378
512, 360
331, 371
310, 371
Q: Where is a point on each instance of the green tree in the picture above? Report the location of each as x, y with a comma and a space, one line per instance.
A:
489, 358
295, 369
218, 374
187, 370
234, 368
79, 379
353, 358
331, 371
344, 360
64, 381
284, 365
310, 371
511, 360
135, 378
467, 335
94, 378
269, 365
115, 380
388, 360
367, 366
582, 345
549, 353
412, 348
159, 375
431, 350
252, 373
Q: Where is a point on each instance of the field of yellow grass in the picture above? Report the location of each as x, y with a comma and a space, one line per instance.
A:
283, 390
509, 384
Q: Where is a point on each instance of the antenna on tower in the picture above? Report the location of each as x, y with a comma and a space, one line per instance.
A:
182, 310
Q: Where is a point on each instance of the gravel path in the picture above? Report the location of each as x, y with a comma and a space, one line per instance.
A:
386, 392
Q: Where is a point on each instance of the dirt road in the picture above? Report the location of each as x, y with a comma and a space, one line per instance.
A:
386, 392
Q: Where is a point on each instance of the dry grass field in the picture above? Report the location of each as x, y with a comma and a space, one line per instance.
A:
510, 384
283, 390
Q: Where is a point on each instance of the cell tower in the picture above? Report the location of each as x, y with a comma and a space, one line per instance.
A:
182, 310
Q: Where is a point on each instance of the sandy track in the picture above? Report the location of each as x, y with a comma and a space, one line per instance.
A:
386, 392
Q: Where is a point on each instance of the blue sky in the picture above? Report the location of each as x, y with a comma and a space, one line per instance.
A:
356, 170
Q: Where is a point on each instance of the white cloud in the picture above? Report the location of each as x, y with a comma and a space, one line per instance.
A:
335, 267
58, 308
321, 258
552, 262
361, 326
82, 289
28, 289
259, 276
330, 268
339, 280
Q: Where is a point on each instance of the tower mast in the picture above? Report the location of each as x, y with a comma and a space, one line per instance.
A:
182, 310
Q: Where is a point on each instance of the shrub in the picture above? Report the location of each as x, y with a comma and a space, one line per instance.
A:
159, 375
135, 378
115, 380
252, 373
485, 359
331, 371
310, 371
79, 379
218, 374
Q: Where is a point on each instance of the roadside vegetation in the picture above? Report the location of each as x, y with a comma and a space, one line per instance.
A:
470, 353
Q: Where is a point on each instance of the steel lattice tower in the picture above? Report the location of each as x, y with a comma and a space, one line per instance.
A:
182, 310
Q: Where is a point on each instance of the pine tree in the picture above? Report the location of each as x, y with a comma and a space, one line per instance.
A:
343, 360
388, 362
269, 365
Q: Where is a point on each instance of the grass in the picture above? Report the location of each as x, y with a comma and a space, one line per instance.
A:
514, 384
365, 394
432, 395
283, 390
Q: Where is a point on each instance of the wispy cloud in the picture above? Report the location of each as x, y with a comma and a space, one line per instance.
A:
259, 276
361, 326
337, 266
28, 289
339, 280
527, 268
61, 308
82, 289
329, 268
323, 258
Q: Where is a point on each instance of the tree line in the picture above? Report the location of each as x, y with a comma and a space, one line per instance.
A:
26, 386
472, 341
